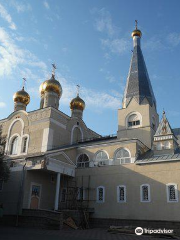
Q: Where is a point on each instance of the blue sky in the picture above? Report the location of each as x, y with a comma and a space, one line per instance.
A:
90, 42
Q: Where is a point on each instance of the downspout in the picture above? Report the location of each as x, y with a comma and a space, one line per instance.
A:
20, 197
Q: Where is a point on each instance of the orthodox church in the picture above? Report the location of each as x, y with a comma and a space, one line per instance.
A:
58, 163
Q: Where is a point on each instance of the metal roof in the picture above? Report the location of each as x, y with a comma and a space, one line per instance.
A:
138, 82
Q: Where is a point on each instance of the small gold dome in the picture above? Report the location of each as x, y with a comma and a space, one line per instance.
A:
22, 96
51, 85
77, 103
137, 33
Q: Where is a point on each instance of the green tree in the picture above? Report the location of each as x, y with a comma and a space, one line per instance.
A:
4, 169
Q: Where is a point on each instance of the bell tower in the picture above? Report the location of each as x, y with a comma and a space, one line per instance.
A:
138, 117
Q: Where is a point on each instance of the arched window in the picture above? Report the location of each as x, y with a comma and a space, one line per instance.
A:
145, 193
123, 156
83, 161
133, 120
100, 194
159, 146
24, 145
14, 146
76, 135
167, 145
101, 156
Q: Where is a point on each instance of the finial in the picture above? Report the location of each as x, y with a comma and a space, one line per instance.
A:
53, 70
164, 111
24, 81
136, 23
78, 87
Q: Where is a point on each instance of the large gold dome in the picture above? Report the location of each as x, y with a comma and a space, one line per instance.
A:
137, 33
21, 96
51, 85
77, 103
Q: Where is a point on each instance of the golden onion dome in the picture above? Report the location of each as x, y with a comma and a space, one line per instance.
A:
137, 33
77, 103
51, 85
21, 96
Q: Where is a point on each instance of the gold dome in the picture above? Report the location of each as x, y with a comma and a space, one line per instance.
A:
137, 33
22, 96
51, 85
77, 103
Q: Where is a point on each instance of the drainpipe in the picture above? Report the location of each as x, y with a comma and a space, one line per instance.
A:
19, 203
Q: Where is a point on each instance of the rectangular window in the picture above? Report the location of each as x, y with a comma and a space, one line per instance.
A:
1, 185
145, 193
121, 193
100, 194
172, 192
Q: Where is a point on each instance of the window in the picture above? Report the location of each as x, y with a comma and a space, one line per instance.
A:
81, 194
133, 120
83, 161
123, 156
100, 194
1, 184
159, 146
172, 192
101, 156
121, 193
145, 193
24, 145
167, 145
14, 146
63, 195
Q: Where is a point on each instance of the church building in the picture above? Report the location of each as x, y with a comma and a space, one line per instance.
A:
58, 163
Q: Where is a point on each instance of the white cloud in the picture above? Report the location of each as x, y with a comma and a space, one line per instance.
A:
14, 57
93, 99
20, 7
154, 43
103, 22
174, 39
46, 5
2, 105
117, 46
7, 17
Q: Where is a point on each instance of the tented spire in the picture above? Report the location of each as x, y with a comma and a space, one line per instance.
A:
138, 84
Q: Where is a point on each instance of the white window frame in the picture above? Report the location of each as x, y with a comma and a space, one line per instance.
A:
18, 144
139, 118
118, 192
176, 193
83, 194
82, 163
159, 146
149, 193
167, 145
115, 156
22, 143
97, 195
102, 161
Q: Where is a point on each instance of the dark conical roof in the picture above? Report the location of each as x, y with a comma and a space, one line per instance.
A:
138, 83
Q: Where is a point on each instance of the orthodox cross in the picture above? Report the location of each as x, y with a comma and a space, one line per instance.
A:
24, 81
78, 87
54, 69
136, 23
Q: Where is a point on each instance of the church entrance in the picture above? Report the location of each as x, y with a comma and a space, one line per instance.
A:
35, 196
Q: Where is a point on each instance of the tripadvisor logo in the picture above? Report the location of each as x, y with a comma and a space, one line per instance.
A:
138, 231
